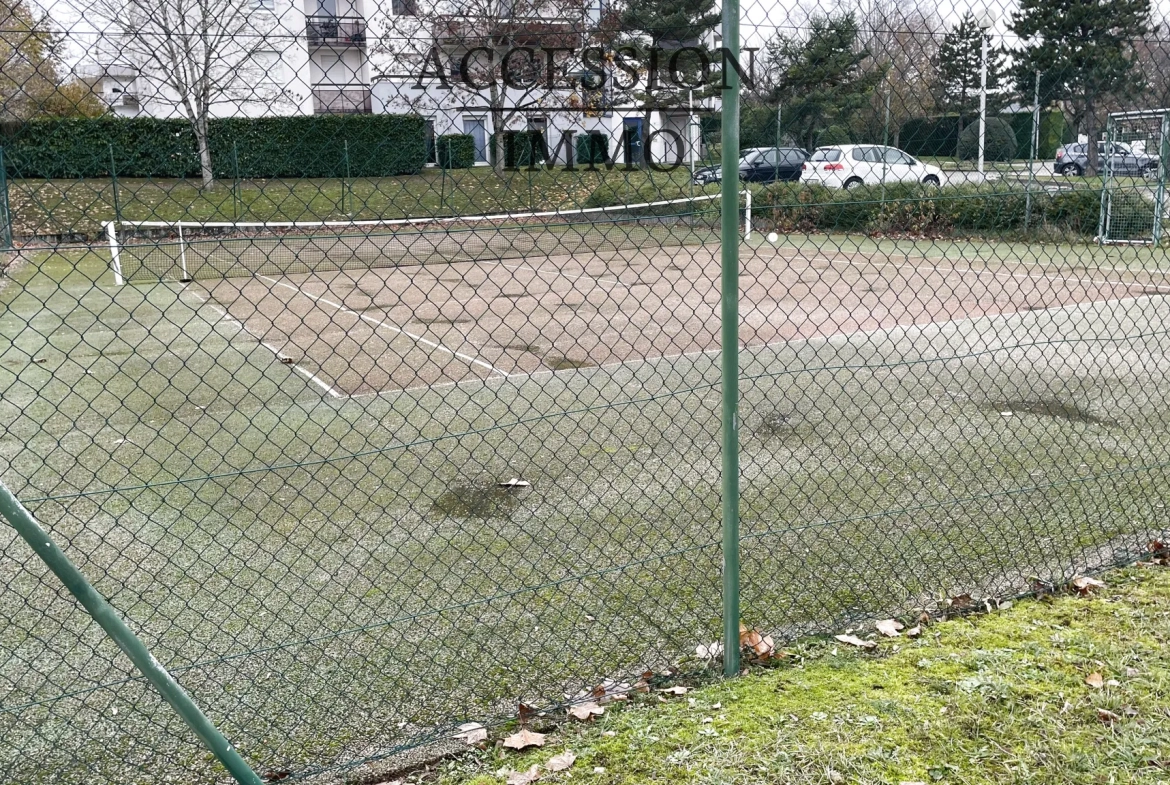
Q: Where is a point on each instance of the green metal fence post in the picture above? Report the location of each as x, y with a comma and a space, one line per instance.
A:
114, 183
729, 241
237, 200
6, 231
346, 198
101, 611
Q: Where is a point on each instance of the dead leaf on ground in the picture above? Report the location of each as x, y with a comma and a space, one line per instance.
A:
1107, 716
524, 778
914, 632
961, 602
562, 761
1095, 680
760, 645
1084, 584
889, 627
709, 651
525, 713
853, 640
523, 739
471, 733
677, 690
586, 711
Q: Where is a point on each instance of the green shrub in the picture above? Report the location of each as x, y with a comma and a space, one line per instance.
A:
999, 144
456, 151
910, 208
375, 145
833, 135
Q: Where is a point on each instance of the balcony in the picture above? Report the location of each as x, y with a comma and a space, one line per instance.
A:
125, 99
338, 31
342, 100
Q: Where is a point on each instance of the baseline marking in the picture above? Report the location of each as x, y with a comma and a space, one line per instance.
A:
382, 323
226, 317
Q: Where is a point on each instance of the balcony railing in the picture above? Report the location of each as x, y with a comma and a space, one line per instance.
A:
341, 100
125, 99
336, 30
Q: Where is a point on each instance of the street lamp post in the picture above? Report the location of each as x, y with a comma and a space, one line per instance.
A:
986, 22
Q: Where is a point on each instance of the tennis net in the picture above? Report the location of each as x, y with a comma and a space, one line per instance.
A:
152, 251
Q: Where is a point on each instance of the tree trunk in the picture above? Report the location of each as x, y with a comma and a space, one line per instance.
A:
204, 148
498, 142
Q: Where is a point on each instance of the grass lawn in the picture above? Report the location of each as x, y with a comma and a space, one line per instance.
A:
70, 207
1006, 697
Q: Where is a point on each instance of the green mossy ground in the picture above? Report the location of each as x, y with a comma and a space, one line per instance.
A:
997, 698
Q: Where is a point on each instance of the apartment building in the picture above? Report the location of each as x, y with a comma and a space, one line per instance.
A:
302, 57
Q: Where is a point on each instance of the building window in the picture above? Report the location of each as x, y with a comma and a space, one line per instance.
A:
404, 7
264, 5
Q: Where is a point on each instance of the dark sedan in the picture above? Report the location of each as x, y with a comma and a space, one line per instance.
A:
760, 165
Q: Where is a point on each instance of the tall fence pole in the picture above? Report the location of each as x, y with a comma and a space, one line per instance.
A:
114, 184
6, 231
101, 611
237, 199
1032, 154
729, 241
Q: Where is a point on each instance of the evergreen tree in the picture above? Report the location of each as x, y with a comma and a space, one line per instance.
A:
959, 63
1084, 51
821, 81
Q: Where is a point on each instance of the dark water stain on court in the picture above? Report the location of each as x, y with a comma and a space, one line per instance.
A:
1154, 292
441, 320
775, 425
531, 348
560, 363
514, 295
477, 500
1050, 407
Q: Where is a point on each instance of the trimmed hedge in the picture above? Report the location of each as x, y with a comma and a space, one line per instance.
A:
377, 145
939, 136
833, 135
999, 143
909, 208
456, 151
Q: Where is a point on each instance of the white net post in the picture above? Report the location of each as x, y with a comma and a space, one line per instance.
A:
183, 255
115, 259
747, 215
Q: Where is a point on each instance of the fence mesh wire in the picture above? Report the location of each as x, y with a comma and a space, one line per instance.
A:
358, 463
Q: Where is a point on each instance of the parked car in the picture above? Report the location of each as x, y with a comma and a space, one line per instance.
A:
1073, 159
760, 165
851, 165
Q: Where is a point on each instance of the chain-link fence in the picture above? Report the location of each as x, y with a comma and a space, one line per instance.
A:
371, 369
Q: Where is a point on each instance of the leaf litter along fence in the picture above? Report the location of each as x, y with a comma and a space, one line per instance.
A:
342, 461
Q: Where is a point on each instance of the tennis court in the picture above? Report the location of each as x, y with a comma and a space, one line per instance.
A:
385, 328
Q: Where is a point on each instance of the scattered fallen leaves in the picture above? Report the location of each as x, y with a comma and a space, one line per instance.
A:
562, 761
1095, 680
962, 602
889, 627
853, 640
1085, 585
471, 733
1107, 716
1159, 553
277, 776
286, 360
524, 778
676, 690
586, 711
914, 632
525, 713
763, 647
709, 651
523, 739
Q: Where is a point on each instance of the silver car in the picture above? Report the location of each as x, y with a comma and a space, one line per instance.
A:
1073, 159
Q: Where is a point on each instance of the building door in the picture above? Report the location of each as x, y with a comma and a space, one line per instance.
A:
632, 140
477, 130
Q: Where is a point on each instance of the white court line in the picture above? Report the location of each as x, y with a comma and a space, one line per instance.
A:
382, 323
996, 274
1041, 276
225, 316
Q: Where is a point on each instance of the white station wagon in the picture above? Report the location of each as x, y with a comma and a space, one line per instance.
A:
851, 165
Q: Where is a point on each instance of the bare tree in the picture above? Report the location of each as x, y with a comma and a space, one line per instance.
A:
203, 52
510, 58
33, 81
